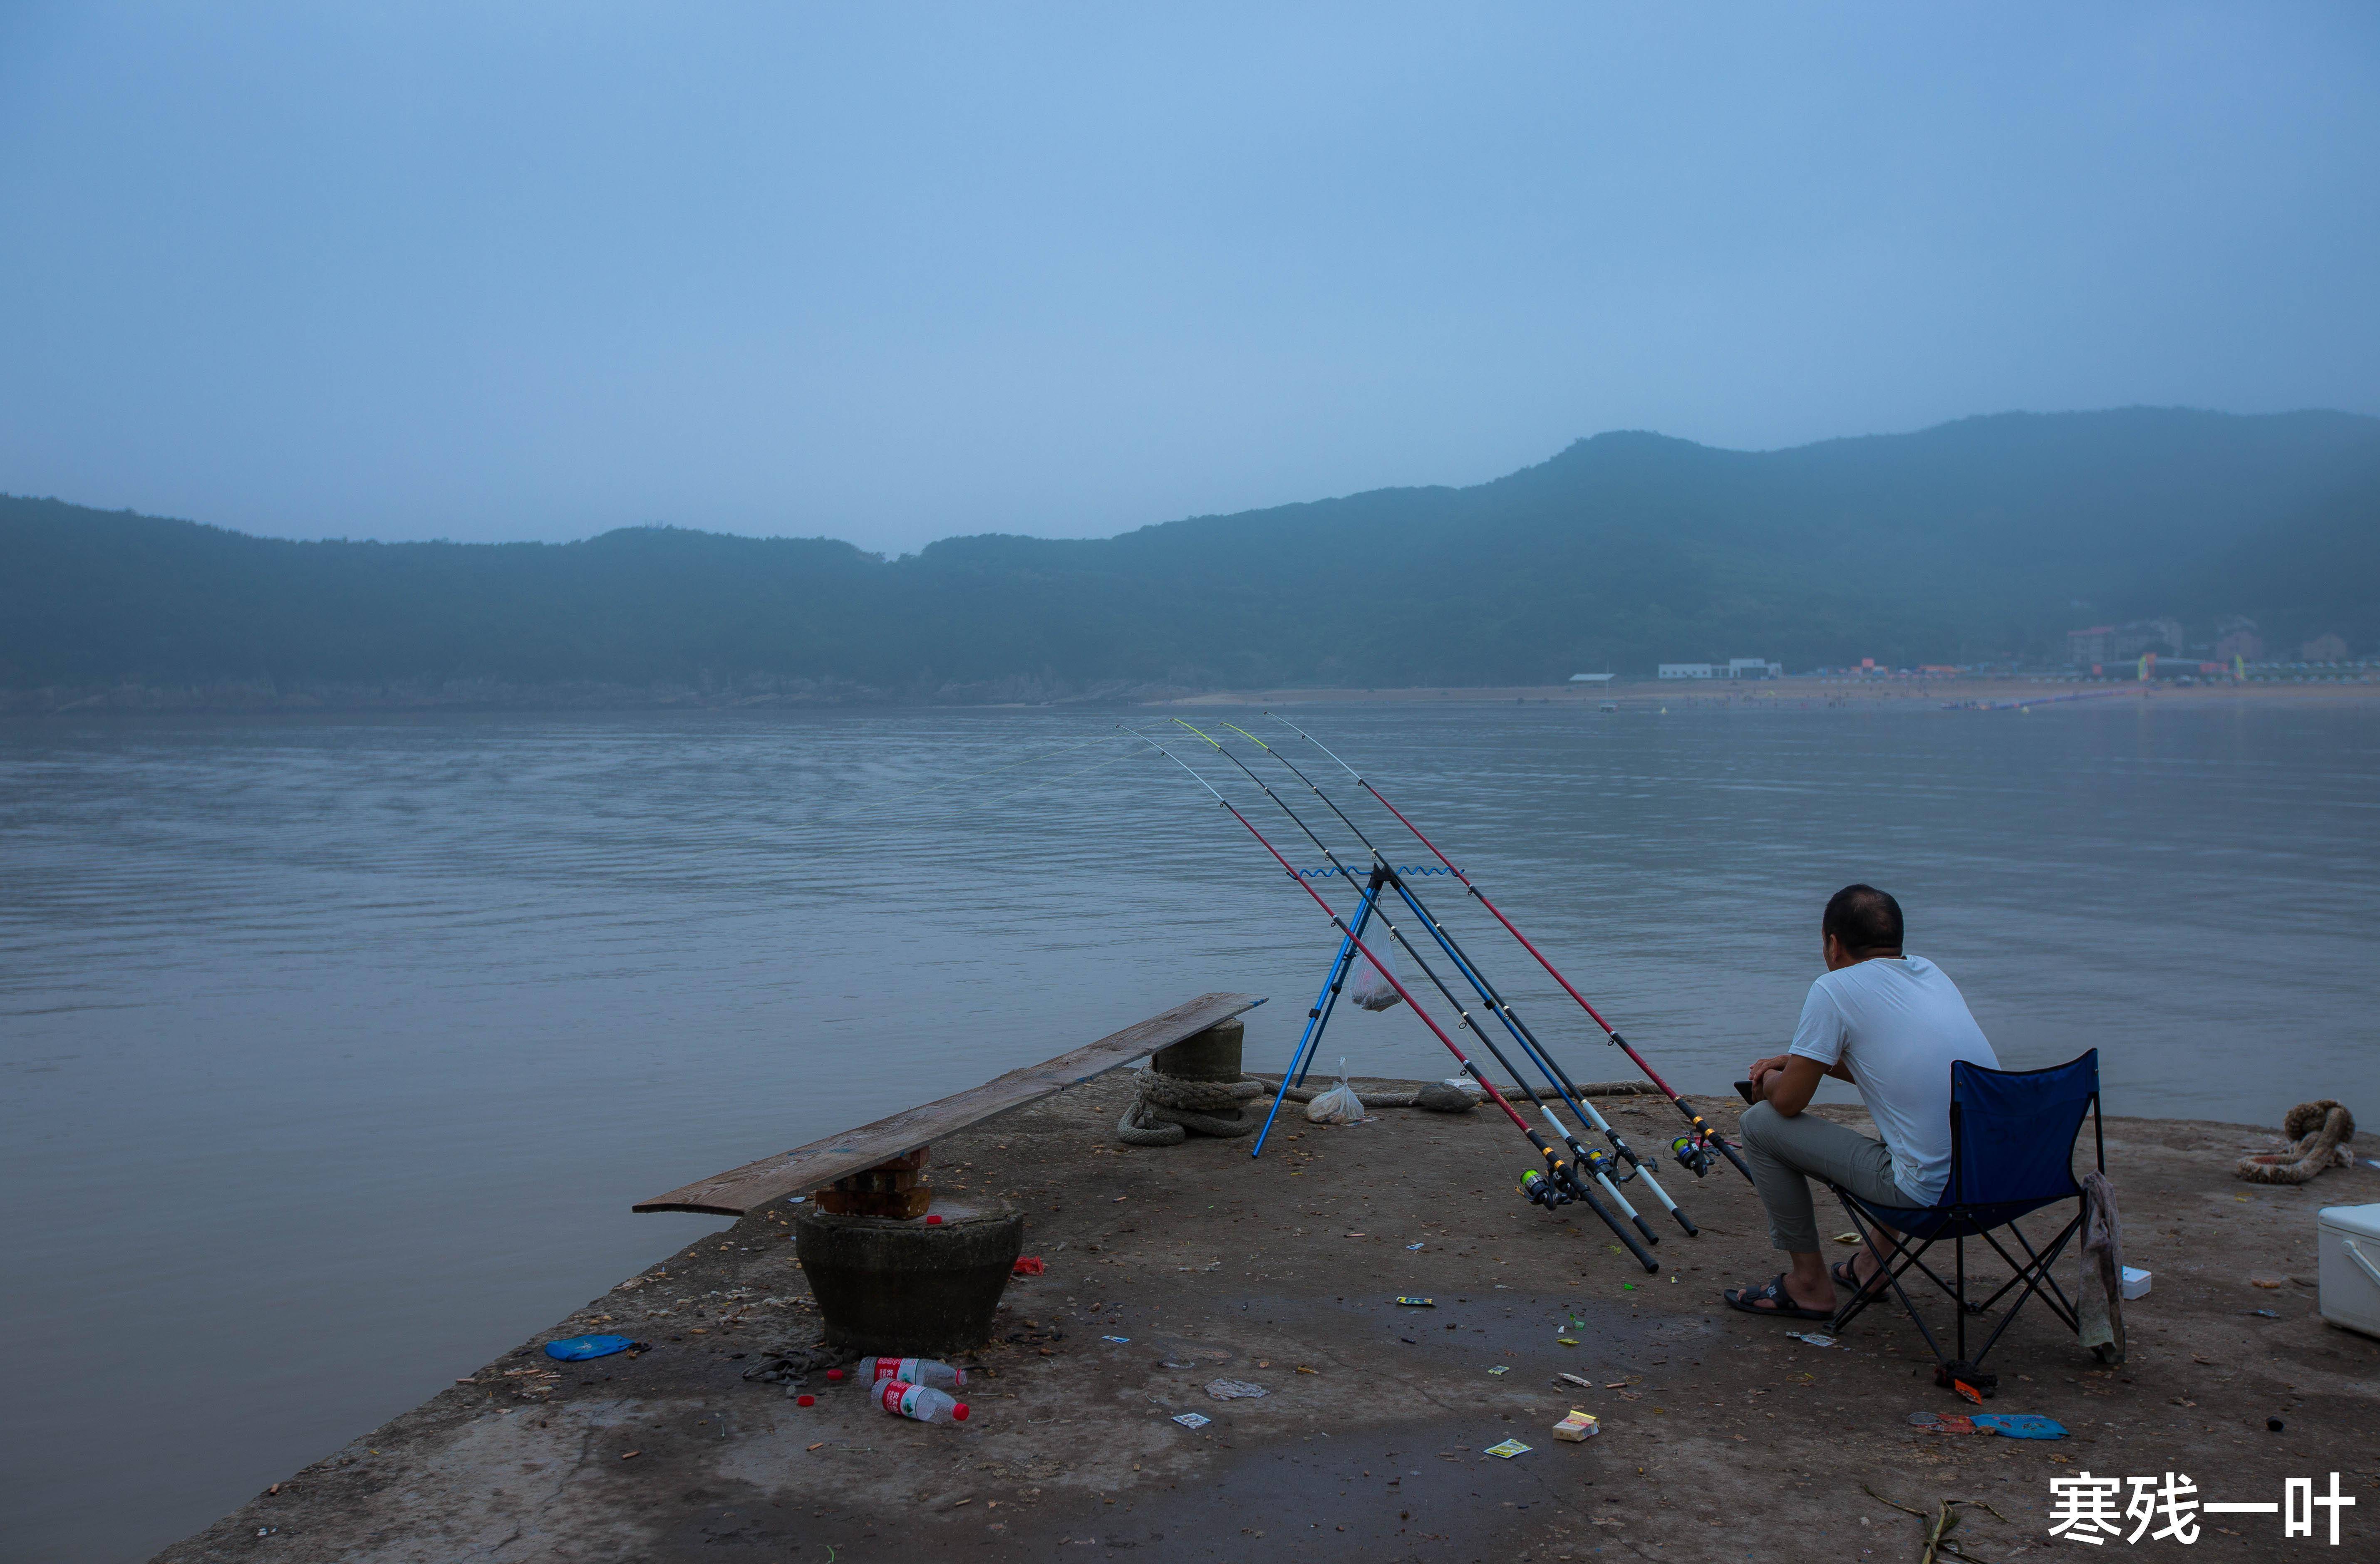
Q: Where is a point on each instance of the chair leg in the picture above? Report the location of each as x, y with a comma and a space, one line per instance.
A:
1897, 1260
1958, 1301
2033, 1276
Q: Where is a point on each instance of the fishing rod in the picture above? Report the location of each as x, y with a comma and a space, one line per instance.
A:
1560, 1184
1692, 1151
1580, 1105
1630, 1165
1596, 1162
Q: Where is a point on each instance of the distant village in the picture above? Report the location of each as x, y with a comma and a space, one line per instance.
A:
2145, 648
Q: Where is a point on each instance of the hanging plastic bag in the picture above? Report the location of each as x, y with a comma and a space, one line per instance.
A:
1371, 989
1340, 1105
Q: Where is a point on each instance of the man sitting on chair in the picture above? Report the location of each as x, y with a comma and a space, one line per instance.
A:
1891, 1025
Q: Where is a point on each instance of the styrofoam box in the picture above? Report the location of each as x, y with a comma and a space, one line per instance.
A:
2348, 1241
2136, 1282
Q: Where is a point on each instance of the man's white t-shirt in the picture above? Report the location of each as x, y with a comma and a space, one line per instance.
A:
1897, 1023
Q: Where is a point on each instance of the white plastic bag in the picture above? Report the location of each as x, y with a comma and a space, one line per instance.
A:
1340, 1105
1370, 990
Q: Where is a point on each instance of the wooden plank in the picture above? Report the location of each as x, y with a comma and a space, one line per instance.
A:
815, 1166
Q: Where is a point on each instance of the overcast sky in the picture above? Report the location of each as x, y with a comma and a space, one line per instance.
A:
891, 273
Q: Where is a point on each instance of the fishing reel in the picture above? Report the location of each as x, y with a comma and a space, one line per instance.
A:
1540, 1190
1694, 1155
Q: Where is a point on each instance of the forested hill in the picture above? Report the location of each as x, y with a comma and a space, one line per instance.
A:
1982, 540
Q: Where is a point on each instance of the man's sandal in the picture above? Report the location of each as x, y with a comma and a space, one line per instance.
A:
1771, 1299
1878, 1285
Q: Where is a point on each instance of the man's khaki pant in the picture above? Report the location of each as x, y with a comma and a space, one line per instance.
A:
1786, 1154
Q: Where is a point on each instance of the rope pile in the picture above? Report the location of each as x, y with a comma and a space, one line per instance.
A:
2318, 1133
1166, 1111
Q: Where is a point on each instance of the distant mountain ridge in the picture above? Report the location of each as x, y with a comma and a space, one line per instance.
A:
1983, 540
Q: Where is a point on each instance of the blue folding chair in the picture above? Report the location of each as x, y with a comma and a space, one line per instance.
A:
2013, 1138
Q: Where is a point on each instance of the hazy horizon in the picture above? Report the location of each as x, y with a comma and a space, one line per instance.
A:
542, 273
693, 524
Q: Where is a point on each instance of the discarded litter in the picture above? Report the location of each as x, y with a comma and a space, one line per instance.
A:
1811, 1337
1502, 1368
1026, 1264
2020, 1426
2136, 1282
578, 1349
1119, 1340
2265, 1314
1567, 1340
1234, 1389
1847, 1238
798, 1200
1415, 1303
916, 1371
920, 1403
1578, 1427
1412, 1246
1583, 1383
1192, 1419
1340, 1105
1945, 1423
1508, 1449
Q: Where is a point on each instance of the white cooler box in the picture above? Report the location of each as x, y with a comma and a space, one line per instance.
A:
2347, 1239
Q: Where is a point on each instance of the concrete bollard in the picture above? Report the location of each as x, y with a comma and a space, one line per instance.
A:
1211, 1055
893, 1288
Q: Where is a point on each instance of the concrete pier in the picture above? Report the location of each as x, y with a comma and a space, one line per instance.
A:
1167, 1269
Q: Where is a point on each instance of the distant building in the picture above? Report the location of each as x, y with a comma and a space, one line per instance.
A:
1590, 678
2144, 635
2243, 644
2088, 646
2323, 649
1753, 668
1685, 670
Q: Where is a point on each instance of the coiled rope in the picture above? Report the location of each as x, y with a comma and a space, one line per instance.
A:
2318, 1134
1166, 1111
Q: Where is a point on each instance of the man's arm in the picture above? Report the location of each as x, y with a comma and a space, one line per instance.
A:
1761, 1069
1790, 1087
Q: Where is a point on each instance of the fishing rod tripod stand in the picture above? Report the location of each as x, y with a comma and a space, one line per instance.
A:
1564, 1180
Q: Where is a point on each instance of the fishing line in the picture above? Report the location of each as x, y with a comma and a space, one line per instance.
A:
1693, 1150
1046, 781
995, 770
1633, 1165
1565, 1185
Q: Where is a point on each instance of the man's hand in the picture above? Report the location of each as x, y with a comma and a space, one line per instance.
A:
1759, 1069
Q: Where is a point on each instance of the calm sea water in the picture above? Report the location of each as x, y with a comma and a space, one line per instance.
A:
334, 1051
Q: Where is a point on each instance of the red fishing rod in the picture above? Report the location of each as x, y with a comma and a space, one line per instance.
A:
1695, 1150
1561, 1176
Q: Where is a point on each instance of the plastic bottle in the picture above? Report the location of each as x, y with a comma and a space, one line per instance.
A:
917, 1371
921, 1403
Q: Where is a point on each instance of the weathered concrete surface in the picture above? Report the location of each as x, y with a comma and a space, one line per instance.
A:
1727, 1440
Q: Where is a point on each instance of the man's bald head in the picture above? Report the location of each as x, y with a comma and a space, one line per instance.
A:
1865, 921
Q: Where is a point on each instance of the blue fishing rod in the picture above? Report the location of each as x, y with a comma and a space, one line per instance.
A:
1632, 1164
1610, 1170
1697, 1151
1560, 1184
1565, 1185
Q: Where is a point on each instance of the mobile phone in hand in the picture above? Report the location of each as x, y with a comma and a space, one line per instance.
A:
1745, 1090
